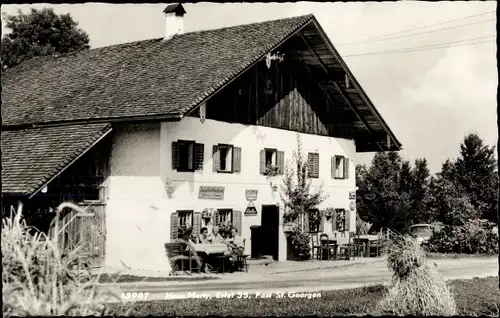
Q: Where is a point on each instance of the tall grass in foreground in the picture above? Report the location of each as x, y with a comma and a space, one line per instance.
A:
416, 288
38, 280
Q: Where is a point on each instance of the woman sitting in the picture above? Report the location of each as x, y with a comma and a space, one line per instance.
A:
215, 236
204, 238
235, 244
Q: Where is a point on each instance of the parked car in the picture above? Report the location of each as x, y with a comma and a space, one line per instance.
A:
422, 232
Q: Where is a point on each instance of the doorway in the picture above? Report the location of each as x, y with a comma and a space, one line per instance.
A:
270, 230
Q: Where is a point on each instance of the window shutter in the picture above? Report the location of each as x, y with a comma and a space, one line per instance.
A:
310, 165
322, 222
237, 220
236, 159
280, 160
333, 166
216, 159
199, 155
316, 165
334, 219
175, 155
262, 162
347, 220
307, 226
174, 226
216, 217
196, 223
346, 168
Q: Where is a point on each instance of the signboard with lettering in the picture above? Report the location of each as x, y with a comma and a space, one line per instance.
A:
211, 193
352, 195
251, 194
251, 210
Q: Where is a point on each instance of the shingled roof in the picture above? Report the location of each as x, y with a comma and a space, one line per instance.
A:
140, 79
32, 157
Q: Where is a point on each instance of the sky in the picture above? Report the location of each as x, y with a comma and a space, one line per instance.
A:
429, 98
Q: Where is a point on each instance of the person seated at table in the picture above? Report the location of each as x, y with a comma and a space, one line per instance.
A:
215, 236
235, 243
188, 236
204, 238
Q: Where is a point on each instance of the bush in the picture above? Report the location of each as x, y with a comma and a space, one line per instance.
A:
416, 289
301, 243
475, 237
39, 281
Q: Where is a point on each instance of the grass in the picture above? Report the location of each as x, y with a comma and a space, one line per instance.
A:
479, 296
118, 278
430, 255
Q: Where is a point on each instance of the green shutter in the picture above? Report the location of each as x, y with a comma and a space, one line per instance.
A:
216, 217
322, 222
280, 160
236, 159
196, 223
346, 168
334, 219
347, 214
199, 156
175, 155
316, 165
262, 162
174, 226
310, 165
237, 220
216, 159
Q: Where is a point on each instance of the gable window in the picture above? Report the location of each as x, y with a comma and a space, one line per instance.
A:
340, 167
313, 165
272, 161
225, 216
226, 158
187, 156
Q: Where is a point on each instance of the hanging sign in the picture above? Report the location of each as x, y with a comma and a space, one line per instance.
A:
251, 210
251, 194
352, 195
211, 193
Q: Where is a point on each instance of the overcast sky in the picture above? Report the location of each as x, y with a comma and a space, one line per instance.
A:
429, 98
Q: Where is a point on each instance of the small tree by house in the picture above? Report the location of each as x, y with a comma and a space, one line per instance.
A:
299, 199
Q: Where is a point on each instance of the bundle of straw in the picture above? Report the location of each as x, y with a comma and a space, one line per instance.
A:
416, 289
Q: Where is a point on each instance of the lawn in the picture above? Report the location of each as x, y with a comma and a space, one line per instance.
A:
118, 278
479, 296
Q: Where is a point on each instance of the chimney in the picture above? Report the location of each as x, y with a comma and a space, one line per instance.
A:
174, 20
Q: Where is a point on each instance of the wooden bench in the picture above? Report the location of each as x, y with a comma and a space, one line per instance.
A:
175, 254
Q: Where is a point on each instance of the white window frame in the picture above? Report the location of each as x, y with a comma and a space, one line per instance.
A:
229, 158
186, 217
339, 168
191, 155
224, 215
274, 156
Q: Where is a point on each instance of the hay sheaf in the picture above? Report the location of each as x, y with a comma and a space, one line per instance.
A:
416, 289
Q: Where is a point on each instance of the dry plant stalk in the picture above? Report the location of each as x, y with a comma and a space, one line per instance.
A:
416, 288
39, 281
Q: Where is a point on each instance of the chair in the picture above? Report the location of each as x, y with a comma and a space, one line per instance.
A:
241, 260
315, 246
374, 248
358, 246
346, 250
175, 255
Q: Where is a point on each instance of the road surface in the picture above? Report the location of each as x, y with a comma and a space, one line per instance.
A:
310, 281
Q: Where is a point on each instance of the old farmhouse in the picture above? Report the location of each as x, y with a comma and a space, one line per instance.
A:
184, 129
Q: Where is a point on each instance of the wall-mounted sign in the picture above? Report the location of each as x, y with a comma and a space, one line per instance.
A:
251, 195
211, 193
352, 195
251, 210
352, 205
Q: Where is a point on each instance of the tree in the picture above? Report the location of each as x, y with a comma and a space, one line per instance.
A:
40, 33
296, 194
476, 172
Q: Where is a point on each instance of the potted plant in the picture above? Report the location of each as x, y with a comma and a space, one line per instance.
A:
207, 213
301, 244
272, 171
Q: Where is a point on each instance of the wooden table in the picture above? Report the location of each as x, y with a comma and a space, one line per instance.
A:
329, 243
210, 249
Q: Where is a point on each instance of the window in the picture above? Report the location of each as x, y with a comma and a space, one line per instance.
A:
187, 156
340, 167
314, 217
226, 158
313, 165
185, 218
272, 161
225, 215
340, 220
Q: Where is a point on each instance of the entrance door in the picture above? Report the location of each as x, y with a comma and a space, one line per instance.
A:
270, 228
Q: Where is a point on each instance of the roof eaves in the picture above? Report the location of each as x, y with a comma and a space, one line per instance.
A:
356, 84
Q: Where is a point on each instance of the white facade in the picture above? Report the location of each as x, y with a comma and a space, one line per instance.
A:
139, 208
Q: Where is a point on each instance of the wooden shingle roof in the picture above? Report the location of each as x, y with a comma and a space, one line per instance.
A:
32, 157
139, 79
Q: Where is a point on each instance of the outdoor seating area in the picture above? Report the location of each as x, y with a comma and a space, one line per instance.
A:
208, 253
325, 247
